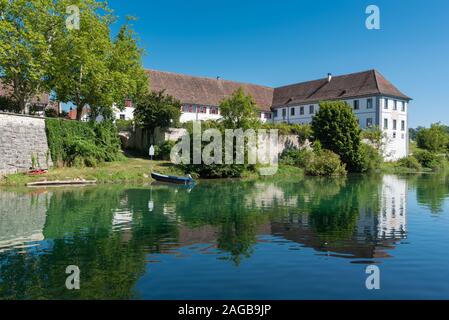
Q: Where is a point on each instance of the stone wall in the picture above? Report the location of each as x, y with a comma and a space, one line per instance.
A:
21, 137
138, 139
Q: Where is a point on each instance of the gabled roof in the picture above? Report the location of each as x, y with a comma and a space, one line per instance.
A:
206, 91
340, 87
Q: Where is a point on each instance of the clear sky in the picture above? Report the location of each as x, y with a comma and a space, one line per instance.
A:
281, 42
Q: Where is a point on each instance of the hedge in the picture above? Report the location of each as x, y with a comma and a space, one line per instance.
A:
74, 143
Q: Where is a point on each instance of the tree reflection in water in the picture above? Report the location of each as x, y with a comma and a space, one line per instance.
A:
111, 233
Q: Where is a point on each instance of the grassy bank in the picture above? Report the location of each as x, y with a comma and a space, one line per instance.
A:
130, 170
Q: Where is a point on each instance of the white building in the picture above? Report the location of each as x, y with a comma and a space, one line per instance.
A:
126, 114
374, 100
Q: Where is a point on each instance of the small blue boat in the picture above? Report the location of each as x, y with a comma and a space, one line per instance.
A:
172, 179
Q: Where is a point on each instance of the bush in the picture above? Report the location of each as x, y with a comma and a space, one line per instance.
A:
409, 162
124, 125
74, 143
371, 159
165, 150
429, 160
325, 163
296, 157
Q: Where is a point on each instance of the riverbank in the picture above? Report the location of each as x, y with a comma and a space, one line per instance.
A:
133, 170
129, 171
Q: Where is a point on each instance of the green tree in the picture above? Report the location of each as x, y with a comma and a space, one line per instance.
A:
25, 41
239, 111
434, 139
336, 127
80, 60
155, 110
91, 69
128, 78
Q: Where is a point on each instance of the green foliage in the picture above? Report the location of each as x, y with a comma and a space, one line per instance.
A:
157, 109
371, 159
375, 137
124, 125
73, 143
9, 105
215, 170
317, 162
409, 162
325, 163
165, 150
295, 157
336, 127
24, 47
434, 139
51, 113
430, 160
239, 111
39, 53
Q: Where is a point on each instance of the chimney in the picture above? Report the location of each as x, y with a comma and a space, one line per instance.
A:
329, 77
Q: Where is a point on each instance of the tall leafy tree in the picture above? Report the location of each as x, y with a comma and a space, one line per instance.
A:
26, 37
91, 69
239, 111
80, 65
155, 110
336, 127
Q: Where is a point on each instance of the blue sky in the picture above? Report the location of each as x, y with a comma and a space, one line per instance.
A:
276, 43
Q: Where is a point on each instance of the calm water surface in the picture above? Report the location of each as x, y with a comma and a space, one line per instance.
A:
311, 239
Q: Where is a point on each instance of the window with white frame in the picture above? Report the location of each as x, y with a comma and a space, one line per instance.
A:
369, 103
311, 109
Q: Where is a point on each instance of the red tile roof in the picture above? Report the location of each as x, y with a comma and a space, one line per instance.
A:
207, 91
340, 87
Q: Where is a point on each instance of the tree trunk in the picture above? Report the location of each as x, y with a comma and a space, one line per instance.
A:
22, 105
79, 111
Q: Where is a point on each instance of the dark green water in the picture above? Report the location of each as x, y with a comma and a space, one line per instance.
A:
311, 239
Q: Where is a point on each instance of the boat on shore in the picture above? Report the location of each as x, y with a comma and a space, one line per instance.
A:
172, 179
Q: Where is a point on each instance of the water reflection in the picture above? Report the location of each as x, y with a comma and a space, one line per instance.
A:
113, 233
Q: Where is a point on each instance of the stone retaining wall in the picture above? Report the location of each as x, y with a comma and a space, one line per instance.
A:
21, 137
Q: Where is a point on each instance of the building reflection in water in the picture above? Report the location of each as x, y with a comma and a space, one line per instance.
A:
378, 222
